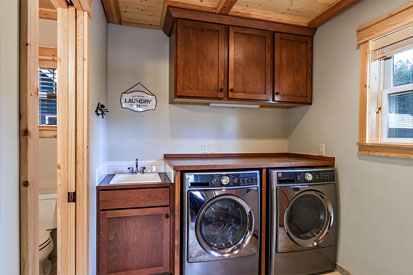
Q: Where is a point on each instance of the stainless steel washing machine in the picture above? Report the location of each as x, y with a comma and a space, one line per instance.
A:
221, 223
303, 221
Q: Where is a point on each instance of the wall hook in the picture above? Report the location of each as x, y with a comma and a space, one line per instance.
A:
101, 110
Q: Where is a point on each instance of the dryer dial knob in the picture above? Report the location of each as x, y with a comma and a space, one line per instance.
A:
225, 180
308, 177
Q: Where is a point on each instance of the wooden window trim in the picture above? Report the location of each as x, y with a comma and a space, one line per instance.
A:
47, 131
47, 59
384, 25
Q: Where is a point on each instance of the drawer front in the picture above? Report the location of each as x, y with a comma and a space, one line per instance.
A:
132, 198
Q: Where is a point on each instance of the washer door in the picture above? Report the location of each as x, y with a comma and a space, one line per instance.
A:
308, 217
224, 225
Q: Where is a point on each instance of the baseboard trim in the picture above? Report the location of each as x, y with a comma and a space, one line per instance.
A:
342, 270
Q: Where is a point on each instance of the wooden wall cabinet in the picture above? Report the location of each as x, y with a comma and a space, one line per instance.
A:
230, 64
201, 59
293, 62
134, 231
250, 64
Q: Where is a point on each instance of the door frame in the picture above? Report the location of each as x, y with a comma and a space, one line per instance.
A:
72, 137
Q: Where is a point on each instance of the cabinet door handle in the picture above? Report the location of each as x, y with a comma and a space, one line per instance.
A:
277, 93
166, 216
231, 90
221, 90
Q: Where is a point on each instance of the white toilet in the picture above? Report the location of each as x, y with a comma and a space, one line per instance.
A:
47, 222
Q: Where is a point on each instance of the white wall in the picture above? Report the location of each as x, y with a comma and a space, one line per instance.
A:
137, 54
98, 130
9, 137
376, 224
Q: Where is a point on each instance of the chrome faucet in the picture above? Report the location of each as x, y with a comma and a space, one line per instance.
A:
137, 169
136, 166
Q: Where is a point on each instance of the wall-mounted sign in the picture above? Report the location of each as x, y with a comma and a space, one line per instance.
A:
138, 100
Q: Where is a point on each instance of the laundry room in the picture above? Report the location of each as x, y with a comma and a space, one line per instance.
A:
203, 137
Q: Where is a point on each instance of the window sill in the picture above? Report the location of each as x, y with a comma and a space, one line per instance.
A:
388, 150
47, 131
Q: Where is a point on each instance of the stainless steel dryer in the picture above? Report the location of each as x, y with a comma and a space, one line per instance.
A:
303, 221
221, 223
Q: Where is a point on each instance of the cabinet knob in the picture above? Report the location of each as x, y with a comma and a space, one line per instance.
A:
166, 216
221, 90
277, 93
231, 90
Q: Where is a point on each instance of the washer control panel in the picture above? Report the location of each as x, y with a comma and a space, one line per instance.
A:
223, 179
305, 176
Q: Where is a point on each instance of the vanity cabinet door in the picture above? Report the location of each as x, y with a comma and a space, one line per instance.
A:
293, 68
134, 241
200, 60
250, 64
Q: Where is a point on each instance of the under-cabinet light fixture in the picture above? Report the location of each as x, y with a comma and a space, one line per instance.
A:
230, 105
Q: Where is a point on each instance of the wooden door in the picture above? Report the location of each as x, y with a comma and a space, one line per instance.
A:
134, 241
293, 61
201, 59
250, 64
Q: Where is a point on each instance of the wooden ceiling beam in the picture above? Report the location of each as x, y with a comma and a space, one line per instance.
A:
185, 5
225, 6
112, 11
83, 5
331, 12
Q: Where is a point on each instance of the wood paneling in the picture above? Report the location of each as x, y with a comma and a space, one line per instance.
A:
176, 13
201, 56
297, 12
28, 137
134, 241
111, 199
293, 68
250, 64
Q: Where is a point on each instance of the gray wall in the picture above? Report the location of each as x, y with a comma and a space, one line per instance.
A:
375, 192
137, 54
9, 137
98, 129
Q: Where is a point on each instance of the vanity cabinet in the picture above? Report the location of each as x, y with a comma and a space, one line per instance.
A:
134, 231
293, 59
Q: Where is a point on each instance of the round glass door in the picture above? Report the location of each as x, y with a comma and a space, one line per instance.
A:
224, 225
308, 217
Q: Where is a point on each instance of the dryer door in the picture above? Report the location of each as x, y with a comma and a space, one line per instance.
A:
308, 217
224, 225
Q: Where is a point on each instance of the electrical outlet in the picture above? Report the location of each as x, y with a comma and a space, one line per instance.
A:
322, 149
204, 147
212, 147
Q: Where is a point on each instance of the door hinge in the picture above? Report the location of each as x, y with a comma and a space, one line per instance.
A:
71, 196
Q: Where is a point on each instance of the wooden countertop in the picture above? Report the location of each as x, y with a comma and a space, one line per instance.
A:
104, 184
190, 162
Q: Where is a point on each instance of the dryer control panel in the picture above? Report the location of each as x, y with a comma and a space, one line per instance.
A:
305, 176
222, 179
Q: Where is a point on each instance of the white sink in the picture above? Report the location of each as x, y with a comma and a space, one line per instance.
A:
135, 178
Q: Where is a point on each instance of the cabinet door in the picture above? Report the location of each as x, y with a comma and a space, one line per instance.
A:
250, 64
293, 61
201, 59
134, 241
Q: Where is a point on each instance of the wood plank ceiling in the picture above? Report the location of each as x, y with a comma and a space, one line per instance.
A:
151, 13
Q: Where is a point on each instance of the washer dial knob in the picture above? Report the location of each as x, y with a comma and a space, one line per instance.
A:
308, 177
225, 180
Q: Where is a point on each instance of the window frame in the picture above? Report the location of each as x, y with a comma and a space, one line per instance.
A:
48, 60
390, 23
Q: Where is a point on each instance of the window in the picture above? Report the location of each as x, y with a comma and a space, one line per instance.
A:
47, 96
47, 92
386, 85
